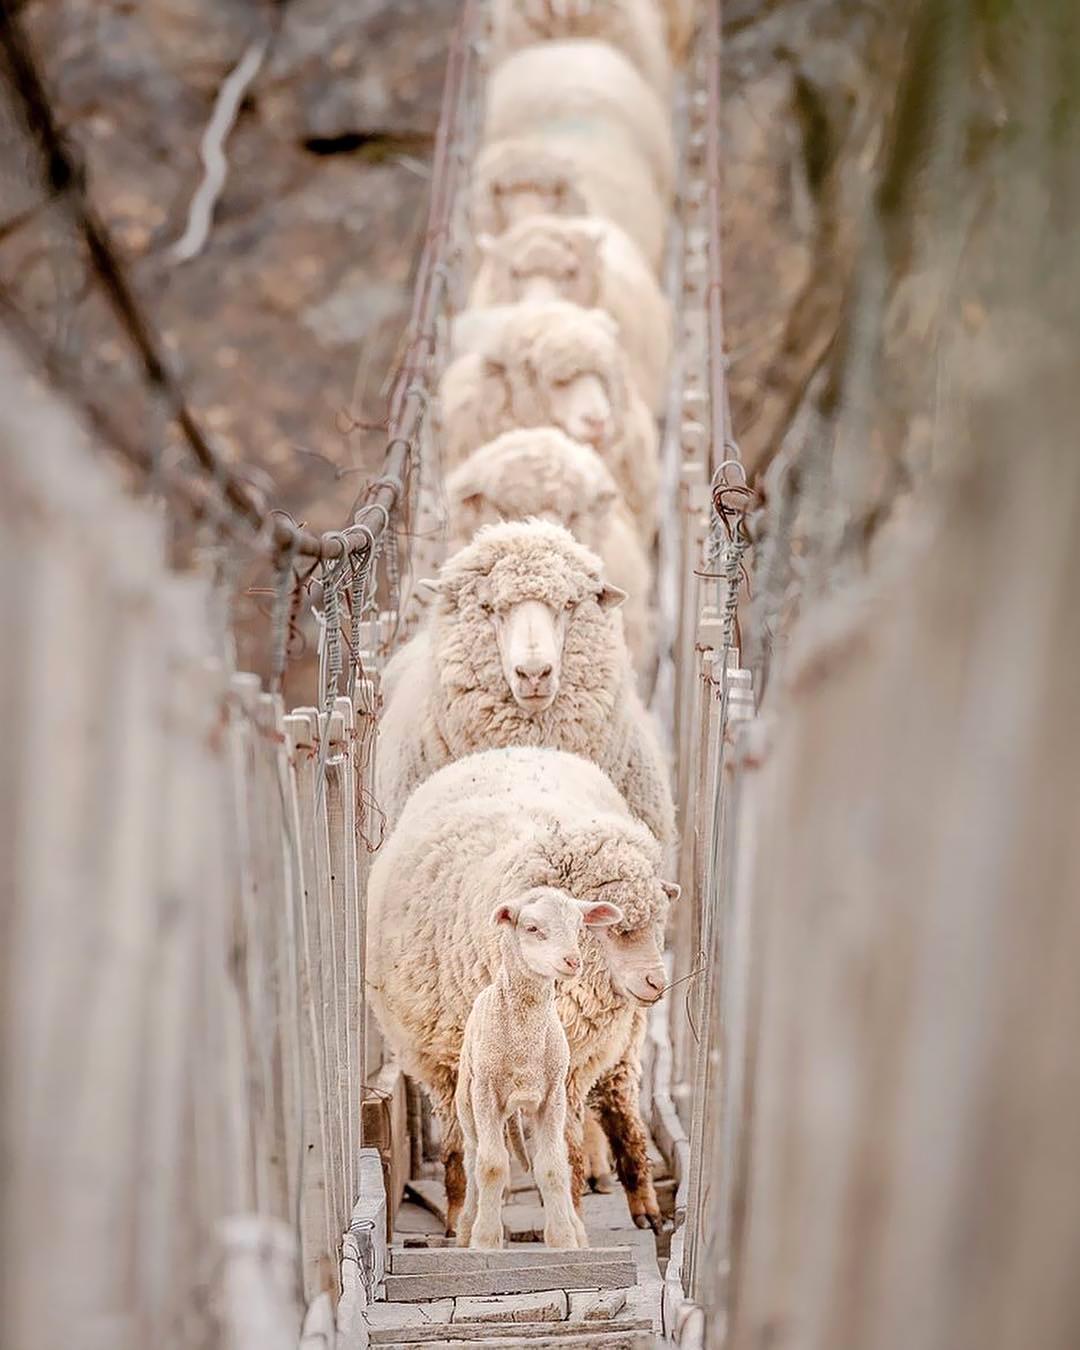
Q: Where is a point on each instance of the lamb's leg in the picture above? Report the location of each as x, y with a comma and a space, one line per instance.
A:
551, 1167
443, 1092
467, 1122
614, 1098
575, 1142
492, 1170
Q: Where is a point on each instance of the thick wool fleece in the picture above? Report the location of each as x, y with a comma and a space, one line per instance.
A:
509, 385
540, 472
581, 86
635, 27
592, 263
568, 175
479, 832
450, 697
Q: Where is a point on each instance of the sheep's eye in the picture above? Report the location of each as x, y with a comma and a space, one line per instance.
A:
570, 604
485, 608
531, 928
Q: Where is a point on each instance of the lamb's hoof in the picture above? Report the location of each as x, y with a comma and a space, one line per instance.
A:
602, 1185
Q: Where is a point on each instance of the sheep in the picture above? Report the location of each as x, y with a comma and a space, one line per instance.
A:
485, 831
636, 27
565, 175
592, 263
586, 88
520, 647
541, 472
556, 364
515, 1058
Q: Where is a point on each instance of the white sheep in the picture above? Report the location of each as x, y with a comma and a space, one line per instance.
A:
515, 1058
636, 27
592, 263
586, 88
520, 647
488, 830
566, 175
556, 364
540, 472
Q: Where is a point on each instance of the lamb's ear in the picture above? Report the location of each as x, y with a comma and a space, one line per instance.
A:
505, 913
600, 914
608, 596
428, 586
671, 889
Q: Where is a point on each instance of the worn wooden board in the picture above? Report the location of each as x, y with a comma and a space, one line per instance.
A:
486, 1333
551, 1305
519, 1280
468, 1259
586, 1339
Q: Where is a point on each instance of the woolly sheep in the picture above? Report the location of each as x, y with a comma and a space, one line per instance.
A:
565, 175
586, 88
592, 263
556, 364
521, 647
542, 473
515, 1058
484, 831
636, 27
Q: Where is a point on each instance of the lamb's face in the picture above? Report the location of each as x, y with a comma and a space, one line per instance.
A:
547, 925
583, 407
544, 260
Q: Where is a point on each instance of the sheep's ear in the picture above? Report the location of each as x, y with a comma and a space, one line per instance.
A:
472, 501
429, 586
600, 914
608, 596
505, 913
671, 889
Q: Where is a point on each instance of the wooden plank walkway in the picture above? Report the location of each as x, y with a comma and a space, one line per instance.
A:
526, 1294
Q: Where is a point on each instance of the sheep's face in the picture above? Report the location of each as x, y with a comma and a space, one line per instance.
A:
518, 180
547, 924
530, 635
543, 259
635, 961
582, 406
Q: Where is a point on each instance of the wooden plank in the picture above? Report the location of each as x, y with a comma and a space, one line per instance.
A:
384, 1126
585, 1339
500, 1280
546, 1306
487, 1332
466, 1258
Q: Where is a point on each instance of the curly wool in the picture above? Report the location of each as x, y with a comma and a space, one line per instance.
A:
586, 88
540, 472
567, 175
510, 385
450, 696
635, 27
479, 832
592, 263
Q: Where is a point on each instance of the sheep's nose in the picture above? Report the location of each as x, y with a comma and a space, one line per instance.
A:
572, 962
533, 671
656, 983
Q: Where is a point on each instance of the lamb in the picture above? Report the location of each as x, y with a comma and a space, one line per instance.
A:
485, 831
635, 27
540, 472
554, 174
521, 647
592, 263
515, 1057
586, 88
556, 364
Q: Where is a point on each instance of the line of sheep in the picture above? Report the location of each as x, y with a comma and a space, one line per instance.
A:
516, 913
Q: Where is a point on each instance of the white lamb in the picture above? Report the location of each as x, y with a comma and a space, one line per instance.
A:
567, 175
515, 1058
586, 88
521, 647
489, 830
540, 472
556, 364
592, 263
636, 27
